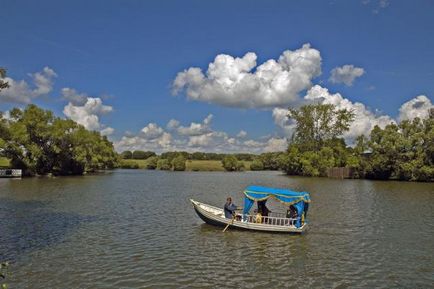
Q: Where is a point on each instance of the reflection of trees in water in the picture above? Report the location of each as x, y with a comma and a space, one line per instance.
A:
26, 226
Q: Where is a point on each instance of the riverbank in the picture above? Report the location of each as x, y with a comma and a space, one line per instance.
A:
191, 165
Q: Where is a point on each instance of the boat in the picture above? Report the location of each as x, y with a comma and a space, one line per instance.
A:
274, 222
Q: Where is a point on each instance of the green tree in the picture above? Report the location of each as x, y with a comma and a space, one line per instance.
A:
230, 163
141, 155
178, 163
256, 165
151, 163
164, 165
40, 143
126, 155
318, 123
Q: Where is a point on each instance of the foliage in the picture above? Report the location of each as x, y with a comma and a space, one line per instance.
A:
129, 165
257, 165
152, 163
3, 84
318, 123
270, 161
230, 163
164, 165
39, 143
141, 155
178, 163
127, 155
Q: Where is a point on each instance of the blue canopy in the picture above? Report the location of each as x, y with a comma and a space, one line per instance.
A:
300, 200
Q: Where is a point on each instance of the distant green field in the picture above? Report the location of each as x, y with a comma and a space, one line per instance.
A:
196, 165
192, 165
4, 162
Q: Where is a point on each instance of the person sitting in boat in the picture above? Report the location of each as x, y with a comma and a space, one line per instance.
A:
229, 208
292, 214
262, 209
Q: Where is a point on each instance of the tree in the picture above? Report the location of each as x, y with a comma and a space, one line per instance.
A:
178, 163
151, 163
40, 143
3, 84
256, 165
230, 163
141, 155
126, 155
164, 165
318, 123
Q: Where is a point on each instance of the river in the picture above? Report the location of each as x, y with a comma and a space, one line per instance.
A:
137, 229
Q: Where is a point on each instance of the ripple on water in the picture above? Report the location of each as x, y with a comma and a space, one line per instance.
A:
137, 229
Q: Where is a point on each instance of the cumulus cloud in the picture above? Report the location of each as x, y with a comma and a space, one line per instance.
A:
242, 134
73, 96
194, 137
89, 113
152, 131
346, 74
419, 106
364, 119
196, 129
107, 131
239, 82
23, 92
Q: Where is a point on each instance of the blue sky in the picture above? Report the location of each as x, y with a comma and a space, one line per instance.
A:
129, 53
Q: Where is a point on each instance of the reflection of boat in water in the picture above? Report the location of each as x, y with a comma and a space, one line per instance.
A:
274, 222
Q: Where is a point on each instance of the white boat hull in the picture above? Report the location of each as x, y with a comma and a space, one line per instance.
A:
215, 216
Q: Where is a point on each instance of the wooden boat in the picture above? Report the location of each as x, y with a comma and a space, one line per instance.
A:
274, 222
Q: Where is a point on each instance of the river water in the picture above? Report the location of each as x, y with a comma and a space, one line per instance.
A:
137, 229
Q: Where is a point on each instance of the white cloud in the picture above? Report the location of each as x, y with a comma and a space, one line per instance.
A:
346, 74
242, 134
21, 92
280, 116
88, 114
195, 137
107, 131
416, 107
235, 82
364, 120
195, 129
152, 131
73, 96
276, 145
172, 124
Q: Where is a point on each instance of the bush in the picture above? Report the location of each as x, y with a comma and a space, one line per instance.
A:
164, 165
257, 165
126, 155
230, 163
152, 163
240, 166
141, 155
128, 165
178, 163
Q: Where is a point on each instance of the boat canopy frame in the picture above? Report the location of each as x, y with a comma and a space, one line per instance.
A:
300, 200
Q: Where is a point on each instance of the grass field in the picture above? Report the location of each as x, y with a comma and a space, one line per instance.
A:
191, 165
4, 162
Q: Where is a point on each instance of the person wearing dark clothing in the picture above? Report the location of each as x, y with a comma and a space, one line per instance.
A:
229, 208
292, 214
262, 208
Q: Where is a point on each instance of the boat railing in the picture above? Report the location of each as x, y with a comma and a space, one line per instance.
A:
276, 221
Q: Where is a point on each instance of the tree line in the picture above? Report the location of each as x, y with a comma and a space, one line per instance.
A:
38, 142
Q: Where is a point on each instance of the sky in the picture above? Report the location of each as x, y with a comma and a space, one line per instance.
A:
216, 76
